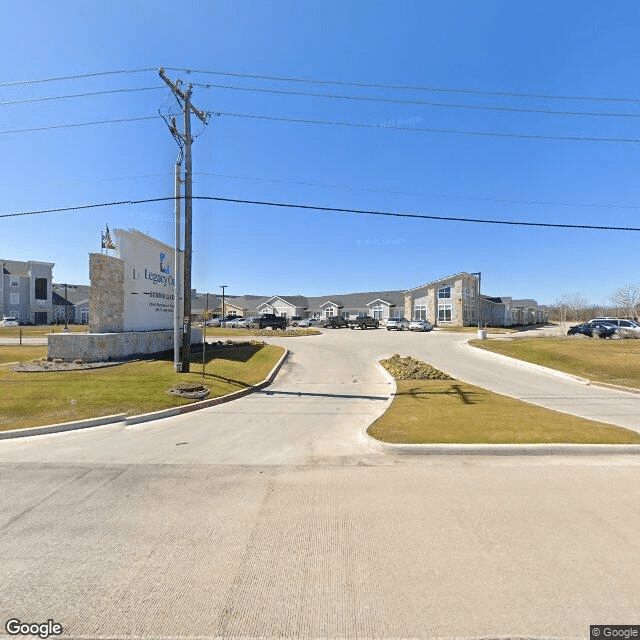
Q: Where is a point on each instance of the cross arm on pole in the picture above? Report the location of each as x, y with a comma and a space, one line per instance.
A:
174, 86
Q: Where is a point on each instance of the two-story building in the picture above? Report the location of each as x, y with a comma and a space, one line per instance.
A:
25, 290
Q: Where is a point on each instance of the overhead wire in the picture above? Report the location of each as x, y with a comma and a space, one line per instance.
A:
406, 87
78, 95
419, 193
96, 74
387, 125
429, 103
308, 207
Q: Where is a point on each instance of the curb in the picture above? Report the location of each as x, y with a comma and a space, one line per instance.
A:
63, 426
529, 365
560, 374
146, 417
204, 404
481, 449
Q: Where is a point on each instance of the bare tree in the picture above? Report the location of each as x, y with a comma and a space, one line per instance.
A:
627, 299
570, 303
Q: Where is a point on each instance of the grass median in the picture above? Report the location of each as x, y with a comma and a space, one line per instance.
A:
608, 361
33, 399
428, 410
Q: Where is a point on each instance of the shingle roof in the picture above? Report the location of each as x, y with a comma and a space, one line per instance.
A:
428, 284
358, 300
76, 294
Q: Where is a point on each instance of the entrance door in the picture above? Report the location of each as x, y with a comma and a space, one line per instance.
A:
40, 317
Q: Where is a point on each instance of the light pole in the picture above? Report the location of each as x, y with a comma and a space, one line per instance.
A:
223, 287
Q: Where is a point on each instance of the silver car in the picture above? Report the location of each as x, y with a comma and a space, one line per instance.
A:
9, 321
420, 325
399, 324
308, 322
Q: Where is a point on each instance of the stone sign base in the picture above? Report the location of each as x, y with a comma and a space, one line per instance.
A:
101, 347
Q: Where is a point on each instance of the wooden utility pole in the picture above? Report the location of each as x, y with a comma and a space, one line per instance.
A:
184, 97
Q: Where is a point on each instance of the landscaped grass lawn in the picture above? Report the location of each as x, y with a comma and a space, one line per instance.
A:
33, 399
610, 361
40, 330
17, 353
450, 411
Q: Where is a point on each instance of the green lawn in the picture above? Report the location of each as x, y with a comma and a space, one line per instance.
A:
40, 330
32, 399
610, 361
17, 353
450, 411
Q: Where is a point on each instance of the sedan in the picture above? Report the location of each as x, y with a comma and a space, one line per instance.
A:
594, 329
9, 321
420, 325
308, 322
399, 324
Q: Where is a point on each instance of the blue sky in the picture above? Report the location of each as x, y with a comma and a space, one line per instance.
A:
553, 48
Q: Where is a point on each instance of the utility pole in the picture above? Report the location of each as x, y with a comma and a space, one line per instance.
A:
177, 363
223, 287
184, 97
66, 306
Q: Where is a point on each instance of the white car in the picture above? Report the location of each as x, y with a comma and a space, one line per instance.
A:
399, 324
308, 322
9, 321
420, 325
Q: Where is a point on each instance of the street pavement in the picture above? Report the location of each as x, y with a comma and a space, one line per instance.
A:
268, 517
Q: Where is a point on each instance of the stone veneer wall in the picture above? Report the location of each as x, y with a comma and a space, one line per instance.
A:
106, 298
101, 347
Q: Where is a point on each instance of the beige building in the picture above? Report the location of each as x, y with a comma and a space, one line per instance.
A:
453, 300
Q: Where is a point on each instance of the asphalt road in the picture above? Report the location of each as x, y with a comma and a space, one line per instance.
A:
269, 518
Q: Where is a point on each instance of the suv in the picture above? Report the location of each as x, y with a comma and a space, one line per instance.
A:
363, 322
399, 324
623, 323
270, 320
334, 322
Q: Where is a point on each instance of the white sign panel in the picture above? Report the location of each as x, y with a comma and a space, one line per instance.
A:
149, 280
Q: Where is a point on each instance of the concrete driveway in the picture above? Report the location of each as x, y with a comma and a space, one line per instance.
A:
267, 518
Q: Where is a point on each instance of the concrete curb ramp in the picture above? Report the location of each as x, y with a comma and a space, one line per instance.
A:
480, 449
145, 417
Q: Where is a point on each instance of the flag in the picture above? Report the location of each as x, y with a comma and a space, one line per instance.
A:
107, 241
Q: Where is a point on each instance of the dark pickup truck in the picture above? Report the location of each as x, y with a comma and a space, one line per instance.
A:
363, 322
270, 320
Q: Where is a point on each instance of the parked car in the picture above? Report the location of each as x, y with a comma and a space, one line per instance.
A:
244, 323
420, 325
234, 323
9, 321
363, 322
270, 320
623, 323
399, 324
594, 329
294, 321
334, 322
308, 322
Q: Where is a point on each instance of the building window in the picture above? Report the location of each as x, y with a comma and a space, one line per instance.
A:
14, 298
15, 281
444, 312
84, 315
445, 292
41, 289
377, 312
420, 312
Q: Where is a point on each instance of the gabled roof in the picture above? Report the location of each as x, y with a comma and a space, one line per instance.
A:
526, 302
434, 282
76, 294
389, 302
333, 303
294, 301
355, 301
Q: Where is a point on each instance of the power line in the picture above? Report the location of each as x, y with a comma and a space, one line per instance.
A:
80, 124
363, 125
428, 103
78, 95
423, 194
309, 207
74, 77
405, 87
